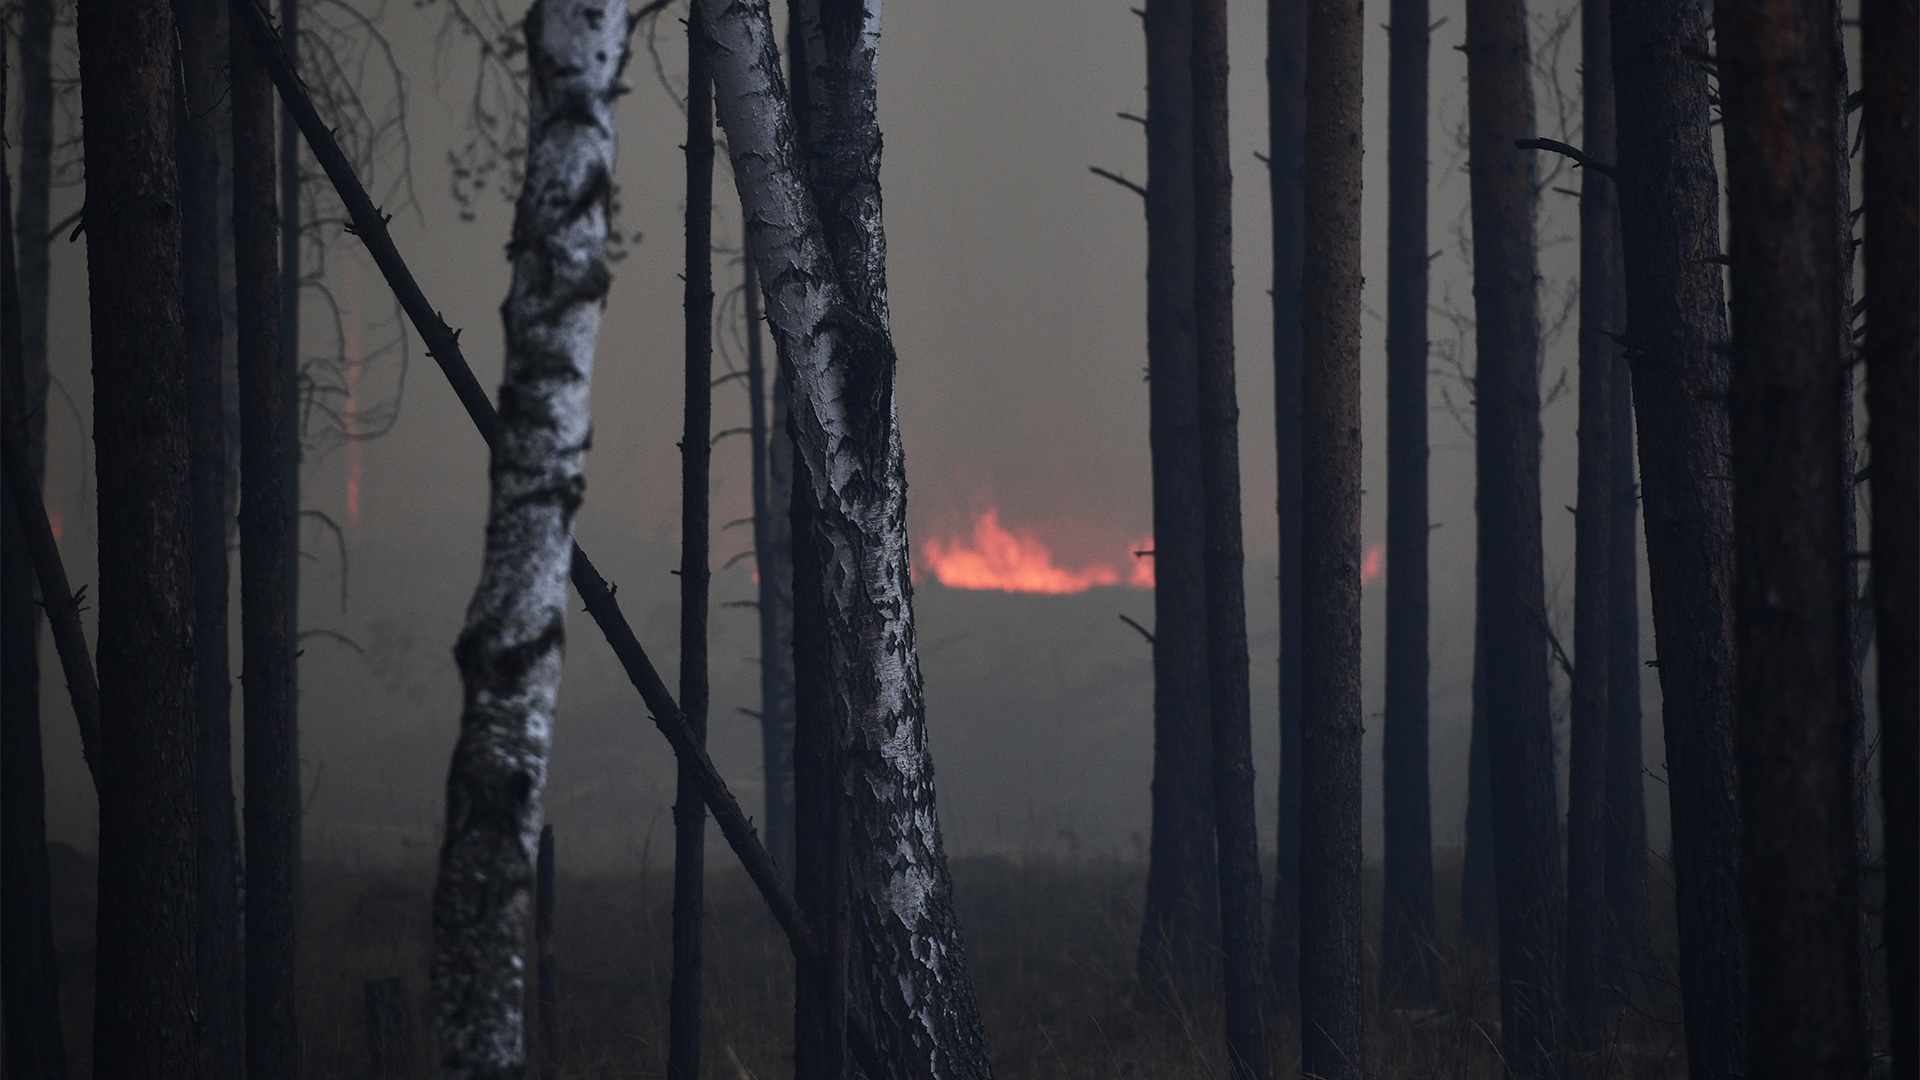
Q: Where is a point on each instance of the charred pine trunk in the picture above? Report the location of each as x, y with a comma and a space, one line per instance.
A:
1676, 347
1331, 1018
1526, 840
1224, 559
689, 809
1478, 915
1799, 867
271, 810
1890, 55
1587, 936
1286, 123
1626, 820
1182, 911
145, 994
1407, 928
773, 557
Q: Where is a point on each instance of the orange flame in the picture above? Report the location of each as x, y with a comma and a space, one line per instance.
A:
1017, 561
1371, 564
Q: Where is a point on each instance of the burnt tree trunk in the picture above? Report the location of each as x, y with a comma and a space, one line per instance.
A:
689, 810
1890, 62
271, 811
546, 990
1676, 347
1286, 121
1407, 913
1182, 911
29, 970
1478, 915
773, 559
291, 281
1526, 840
1626, 821
145, 996
203, 55
1331, 1018
1799, 866
1224, 558
1587, 936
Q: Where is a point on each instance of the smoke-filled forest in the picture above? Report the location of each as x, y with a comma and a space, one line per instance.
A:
1412, 564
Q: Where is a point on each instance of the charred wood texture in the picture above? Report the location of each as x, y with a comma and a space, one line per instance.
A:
145, 994
1626, 822
1331, 1017
510, 651
1676, 348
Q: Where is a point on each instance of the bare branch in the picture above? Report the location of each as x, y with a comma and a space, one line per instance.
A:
1580, 157
1118, 179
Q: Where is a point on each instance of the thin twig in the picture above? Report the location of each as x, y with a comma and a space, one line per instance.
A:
1118, 179
1580, 157
1144, 632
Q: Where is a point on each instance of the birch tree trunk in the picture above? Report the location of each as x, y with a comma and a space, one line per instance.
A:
510, 651
823, 271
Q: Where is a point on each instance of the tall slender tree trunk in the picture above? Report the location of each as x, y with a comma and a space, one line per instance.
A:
267, 576
203, 56
291, 282
1890, 62
1331, 1019
29, 971
1676, 346
1407, 927
824, 266
1799, 869
1478, 915
1286, 125
1587, 935
1182, 908
1626, 822
1224, 558
511, 648
773, 560
689, 810
1526, 839
145, 998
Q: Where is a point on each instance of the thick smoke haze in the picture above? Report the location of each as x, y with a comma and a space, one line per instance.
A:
1017, 293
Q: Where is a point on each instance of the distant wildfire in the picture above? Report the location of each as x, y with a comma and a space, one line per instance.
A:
1371, 563
1018, 561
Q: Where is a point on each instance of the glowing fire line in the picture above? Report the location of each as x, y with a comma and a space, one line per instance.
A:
995, 558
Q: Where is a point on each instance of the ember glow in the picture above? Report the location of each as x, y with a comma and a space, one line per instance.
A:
1018, 561
1371, 563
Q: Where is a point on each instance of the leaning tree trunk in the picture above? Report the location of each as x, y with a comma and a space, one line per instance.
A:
1799, 865
29, 971
145, 1002
773, 559
1587, 757
1331, 1019
1676, 346
1407, 914
696, 454
1890, 61
824, 275
1223, 557
203, 55
1182, 909
271, 811
1526, 840
510, 651
1626, 822
1286, 123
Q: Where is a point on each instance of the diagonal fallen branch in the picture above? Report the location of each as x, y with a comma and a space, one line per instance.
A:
1580, 157
443, 345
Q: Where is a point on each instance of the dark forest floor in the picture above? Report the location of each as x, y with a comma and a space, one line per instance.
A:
1050, 945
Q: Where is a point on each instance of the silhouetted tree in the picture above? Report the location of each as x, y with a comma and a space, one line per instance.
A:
1407, 926
1890, 121
1626, 821
1799, 869
1331, 1019
1286, 122
1676, 346
145, 999
1477, 915
773, 558
696, 454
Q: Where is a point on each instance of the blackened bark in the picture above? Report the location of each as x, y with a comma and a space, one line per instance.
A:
689, 811
1587, 936
29, 972
291, 281
773, 559
31, 242
1182, 911
1286, 122
267, 580
145, 995
1676, 347
1331, 1019
1224, 559
203, 55
1890, 62
1407, 926
1626, 822
1478, 915
1526, 841
1799, 866
547, 991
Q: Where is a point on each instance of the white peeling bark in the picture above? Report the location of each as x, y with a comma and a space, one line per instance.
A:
510, 651
823, 271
